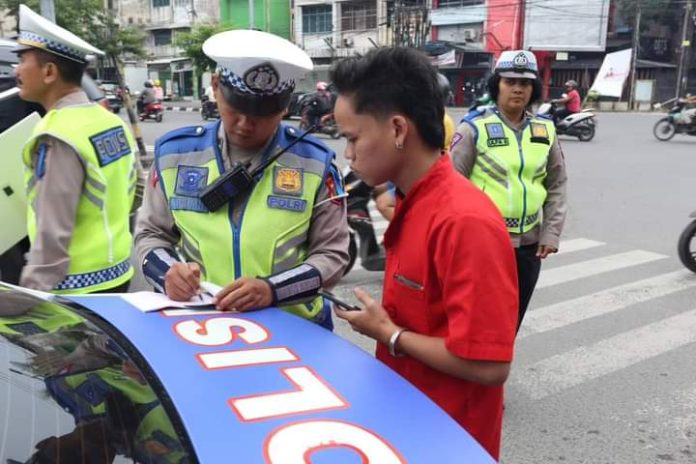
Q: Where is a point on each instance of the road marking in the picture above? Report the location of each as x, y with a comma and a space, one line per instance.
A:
577, 244
586, 363
592, 267
597, 304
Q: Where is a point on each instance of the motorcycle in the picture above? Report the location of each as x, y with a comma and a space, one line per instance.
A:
674, 123
152, 111
685, 250
209, 109
327, 123
363, 239
581, 125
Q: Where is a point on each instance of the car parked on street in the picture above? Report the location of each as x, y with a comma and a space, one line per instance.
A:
93, 379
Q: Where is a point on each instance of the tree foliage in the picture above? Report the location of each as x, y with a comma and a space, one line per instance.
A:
191, 44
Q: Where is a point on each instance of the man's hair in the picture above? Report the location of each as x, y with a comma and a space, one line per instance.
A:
494, 89
395, 80
70, 71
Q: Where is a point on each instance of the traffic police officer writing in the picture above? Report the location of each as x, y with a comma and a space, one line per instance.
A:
515, 158
80, 169
271, 229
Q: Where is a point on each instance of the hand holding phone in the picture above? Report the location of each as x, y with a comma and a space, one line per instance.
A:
334, 299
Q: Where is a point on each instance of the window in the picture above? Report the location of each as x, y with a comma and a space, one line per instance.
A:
162, 37
159, 3
316, 19
459, 3
358, 16
72, 391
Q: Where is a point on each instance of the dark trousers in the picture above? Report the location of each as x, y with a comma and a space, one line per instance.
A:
528, 268
561, 115
123, 288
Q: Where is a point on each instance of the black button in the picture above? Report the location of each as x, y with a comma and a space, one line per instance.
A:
8, 191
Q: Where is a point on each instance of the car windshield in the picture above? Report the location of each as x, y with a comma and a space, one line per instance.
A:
70, 392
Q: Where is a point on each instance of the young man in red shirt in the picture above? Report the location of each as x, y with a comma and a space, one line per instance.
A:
449, 312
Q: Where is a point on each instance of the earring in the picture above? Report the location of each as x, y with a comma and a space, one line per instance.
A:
399, 146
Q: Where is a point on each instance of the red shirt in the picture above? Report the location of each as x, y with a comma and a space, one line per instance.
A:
451, 273
574, 104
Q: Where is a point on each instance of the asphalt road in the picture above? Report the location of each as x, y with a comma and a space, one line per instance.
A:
604, 369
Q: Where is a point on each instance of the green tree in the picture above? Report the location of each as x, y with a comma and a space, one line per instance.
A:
191, 44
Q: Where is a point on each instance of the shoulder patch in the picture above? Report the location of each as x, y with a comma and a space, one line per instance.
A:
41, 160
110, 145
190, 133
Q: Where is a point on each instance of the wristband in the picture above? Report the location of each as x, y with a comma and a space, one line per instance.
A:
300, 283
156, 264
392, 342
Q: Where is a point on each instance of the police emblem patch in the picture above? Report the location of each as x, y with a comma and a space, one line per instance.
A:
539, 133
262, 78
190, 180
495, 130
288, 181
496, 135
110, 145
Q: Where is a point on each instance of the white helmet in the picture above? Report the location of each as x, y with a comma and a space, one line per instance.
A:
520, 64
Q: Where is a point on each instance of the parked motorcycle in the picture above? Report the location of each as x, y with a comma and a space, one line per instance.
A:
209, 109
674, 123
152, 111
363, 240
327, 124
686, 246
581, 125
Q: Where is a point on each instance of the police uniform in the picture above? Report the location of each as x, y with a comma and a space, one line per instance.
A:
288, 228
521, 168
80, 183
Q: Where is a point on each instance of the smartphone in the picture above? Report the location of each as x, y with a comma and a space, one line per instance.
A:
333, 298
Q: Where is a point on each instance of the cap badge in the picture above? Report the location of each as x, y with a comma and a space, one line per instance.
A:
262, 78
520, 61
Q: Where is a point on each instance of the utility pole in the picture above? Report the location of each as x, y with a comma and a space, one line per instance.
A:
683, 73
252, 20
48, 10
634, 57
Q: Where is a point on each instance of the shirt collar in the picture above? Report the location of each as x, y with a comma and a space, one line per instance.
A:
437, 175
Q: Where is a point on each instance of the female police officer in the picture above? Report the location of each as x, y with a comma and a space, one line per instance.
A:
273, 241
516, 159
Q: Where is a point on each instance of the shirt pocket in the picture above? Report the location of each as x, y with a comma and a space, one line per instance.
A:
412, 302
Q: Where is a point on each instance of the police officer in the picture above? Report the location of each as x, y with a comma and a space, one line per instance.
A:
80, 169
516, 159
274, 242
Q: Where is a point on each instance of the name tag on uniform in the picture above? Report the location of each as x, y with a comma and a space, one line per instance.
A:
288, 181
289, 204
190, 180
110, 145
496, 135
540, 133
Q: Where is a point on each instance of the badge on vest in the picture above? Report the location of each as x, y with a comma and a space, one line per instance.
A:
190, 180
539, 133
288, 181
110, 145
496, 135
289, 204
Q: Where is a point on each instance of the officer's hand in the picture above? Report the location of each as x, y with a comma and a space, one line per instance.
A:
182, 280
544, 250
372, 321
245, 294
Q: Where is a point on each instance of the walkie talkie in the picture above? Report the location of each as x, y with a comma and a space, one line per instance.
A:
239, 179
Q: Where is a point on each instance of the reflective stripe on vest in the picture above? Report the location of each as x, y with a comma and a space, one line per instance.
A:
101, 242
511, 167
273, 227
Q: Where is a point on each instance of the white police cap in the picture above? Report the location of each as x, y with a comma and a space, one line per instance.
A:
520, 64
257, 66
35, 31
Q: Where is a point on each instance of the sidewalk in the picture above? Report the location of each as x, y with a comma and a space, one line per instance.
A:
183, 105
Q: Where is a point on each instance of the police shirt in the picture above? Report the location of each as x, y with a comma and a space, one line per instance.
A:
327, 247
